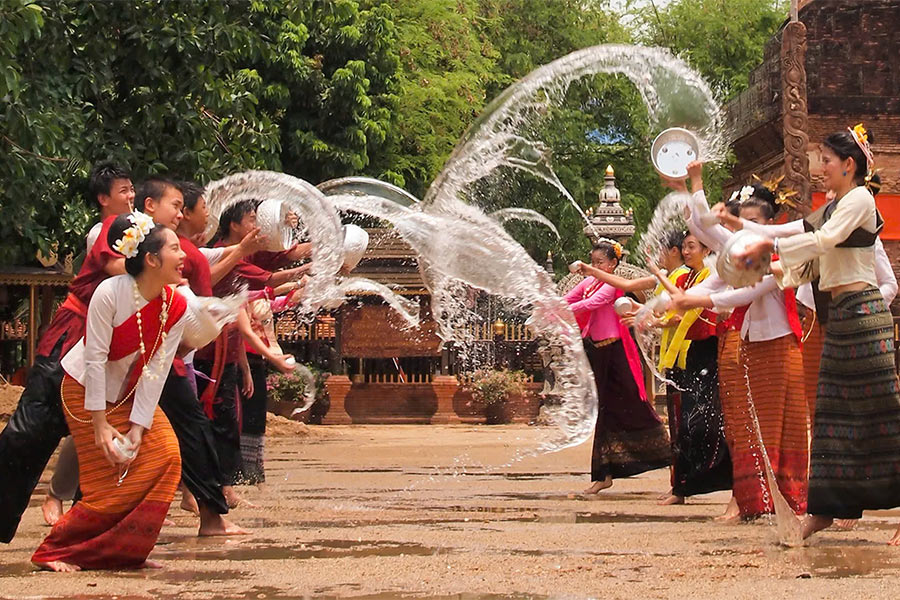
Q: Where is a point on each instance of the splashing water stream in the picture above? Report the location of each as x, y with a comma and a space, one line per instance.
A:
461, 248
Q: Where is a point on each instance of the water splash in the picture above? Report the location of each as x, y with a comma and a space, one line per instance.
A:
324, 288
788, 525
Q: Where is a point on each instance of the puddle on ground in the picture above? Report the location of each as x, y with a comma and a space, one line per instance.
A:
834, 562
273, 593
612, 517
312, 549
18, 570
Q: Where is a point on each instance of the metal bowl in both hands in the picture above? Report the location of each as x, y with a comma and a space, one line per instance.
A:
673, 150
737, 275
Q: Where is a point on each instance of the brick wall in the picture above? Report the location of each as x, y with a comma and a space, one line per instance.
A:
853, 75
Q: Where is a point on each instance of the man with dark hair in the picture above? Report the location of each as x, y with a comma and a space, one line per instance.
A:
38, 424
111, 188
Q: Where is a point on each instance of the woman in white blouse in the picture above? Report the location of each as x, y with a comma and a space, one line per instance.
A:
855, 449
771, 362
127, 452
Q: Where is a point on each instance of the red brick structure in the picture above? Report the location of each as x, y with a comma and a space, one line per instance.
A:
852, 75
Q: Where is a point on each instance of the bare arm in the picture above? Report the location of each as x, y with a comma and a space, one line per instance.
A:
233, 254
115, 266
279, 361
286, 275
626, 285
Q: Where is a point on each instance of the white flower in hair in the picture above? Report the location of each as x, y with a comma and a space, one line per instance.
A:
132, 237
746, 192
734, 196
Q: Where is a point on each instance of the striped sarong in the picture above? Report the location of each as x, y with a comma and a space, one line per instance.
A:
115, 525
855, 460
774, 370
732, 382
813, 340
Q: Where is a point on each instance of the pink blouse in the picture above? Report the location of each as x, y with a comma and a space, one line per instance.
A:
595, 313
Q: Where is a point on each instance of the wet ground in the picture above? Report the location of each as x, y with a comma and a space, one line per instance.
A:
406, 512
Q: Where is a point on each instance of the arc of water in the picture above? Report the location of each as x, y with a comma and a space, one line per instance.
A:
320, 217
505, 215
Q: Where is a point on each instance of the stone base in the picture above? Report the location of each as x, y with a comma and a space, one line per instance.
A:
338, 387
445, 387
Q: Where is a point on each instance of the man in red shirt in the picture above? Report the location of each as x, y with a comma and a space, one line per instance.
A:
221, 398
38, 424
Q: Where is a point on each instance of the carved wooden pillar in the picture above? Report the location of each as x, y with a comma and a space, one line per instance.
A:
794, 111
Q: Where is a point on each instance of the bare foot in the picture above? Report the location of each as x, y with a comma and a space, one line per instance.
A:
188, 502
895, 541
597, 486
732, 513
664, 495
845, 524
152, 564
52, 509
814, 523
57, 566
671, 499
233, 499
220, 526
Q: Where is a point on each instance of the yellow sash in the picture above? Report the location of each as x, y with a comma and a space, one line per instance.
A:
673, 346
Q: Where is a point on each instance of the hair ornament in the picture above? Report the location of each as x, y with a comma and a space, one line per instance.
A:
873, 185
862, 140
141, 224
617, 247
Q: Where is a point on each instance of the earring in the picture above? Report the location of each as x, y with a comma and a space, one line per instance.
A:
844, 173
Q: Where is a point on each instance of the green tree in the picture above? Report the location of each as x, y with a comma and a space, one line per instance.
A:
722, 39
200, 89
447, 67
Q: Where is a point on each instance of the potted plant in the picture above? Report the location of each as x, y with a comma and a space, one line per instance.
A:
494, 389
288, 392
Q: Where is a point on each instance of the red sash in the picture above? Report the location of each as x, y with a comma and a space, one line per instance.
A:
734, 321
790, 307
125, 338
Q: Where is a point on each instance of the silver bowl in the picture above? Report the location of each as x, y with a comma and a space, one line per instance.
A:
727, 267
673, 150
271, 217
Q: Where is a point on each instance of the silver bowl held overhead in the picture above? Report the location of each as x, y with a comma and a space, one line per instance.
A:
727, 267
673, 150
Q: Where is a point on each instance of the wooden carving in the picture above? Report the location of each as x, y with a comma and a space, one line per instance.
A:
794, 111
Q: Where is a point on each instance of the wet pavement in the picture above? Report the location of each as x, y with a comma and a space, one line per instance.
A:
406, 512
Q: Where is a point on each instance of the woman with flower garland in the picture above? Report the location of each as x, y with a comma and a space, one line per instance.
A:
629, 437
856, 435
127, 452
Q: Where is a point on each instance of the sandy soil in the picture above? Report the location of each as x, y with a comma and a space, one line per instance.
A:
9, 399
407, 511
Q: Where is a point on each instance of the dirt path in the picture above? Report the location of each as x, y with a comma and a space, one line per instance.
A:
405, 511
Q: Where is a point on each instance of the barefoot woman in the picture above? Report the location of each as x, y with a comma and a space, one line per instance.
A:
629, 437
856, 435
127, 452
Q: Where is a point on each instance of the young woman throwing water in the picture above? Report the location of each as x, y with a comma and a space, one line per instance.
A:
856, 437
127, 452
629, 437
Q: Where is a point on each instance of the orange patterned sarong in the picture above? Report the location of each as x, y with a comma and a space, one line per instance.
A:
114, 526
775, 372
813, 341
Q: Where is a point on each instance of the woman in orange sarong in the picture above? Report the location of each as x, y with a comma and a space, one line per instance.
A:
127, 452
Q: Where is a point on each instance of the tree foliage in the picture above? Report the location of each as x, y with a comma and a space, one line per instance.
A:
328, 88
722, 39
200, 89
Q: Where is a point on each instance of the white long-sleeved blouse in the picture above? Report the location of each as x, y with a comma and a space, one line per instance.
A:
105, 380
